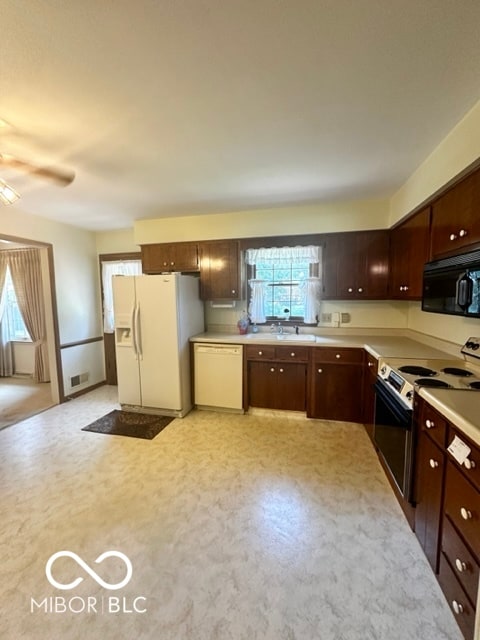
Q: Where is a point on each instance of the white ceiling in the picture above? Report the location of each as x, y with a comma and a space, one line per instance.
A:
181, 107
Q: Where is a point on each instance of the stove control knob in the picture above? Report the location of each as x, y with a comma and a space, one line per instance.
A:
475, 346
409, 395
383, 369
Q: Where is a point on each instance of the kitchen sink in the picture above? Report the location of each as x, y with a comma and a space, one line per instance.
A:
293, 337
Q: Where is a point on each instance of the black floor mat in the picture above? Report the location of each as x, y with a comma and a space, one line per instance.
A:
130, 423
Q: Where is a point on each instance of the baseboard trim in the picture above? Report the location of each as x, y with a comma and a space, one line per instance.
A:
76, 394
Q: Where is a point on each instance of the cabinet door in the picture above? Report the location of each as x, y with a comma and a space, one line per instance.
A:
290, 383
262, 386
455, 217
220, 270
430, 469
336, 391
173, 256
359, 261
409, 250
370, 377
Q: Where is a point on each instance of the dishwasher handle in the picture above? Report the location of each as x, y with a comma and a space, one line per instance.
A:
219, 349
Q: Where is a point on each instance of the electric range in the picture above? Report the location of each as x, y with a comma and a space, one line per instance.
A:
403, 376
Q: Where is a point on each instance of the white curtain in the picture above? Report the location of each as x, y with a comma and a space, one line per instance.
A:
284, 256
256, 308
311, 292
109, 269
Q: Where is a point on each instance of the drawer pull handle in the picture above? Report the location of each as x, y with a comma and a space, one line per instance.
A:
433, 463
429, 424
360, 290
338, 356
462, 233
457, 607
260, 353
453, 236
350, 289
281, 370
461, 566
469, 464
465, 513
320, 370
272, 369
293, 354
371, 364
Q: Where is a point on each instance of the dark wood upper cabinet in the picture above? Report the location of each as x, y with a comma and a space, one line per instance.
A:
220, 270
355, 265
456, 217
171, 256
409, 250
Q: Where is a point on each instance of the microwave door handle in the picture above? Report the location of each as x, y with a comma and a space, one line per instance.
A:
464, 291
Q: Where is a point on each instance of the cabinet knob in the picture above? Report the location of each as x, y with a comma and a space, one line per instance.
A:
453, 236
293, 354
370, 364
165, 264
233, 291
172, 263
462, 233
350, 289
260, 353
272, 369
405, 288
401, 287
461, 566
457, 607
281, 370
433, 463
338, 356
360, 290
430, 424
469, 464
466, 513
320, 370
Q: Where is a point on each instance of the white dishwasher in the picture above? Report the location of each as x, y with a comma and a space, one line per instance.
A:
218, 376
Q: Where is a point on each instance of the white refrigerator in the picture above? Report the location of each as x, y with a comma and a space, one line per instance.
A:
155, 315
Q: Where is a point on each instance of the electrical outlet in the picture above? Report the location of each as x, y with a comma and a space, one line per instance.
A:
326, 318
345, 318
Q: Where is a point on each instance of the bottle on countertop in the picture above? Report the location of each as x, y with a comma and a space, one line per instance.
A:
243, 323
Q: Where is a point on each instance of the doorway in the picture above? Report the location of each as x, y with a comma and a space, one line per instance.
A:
21, 397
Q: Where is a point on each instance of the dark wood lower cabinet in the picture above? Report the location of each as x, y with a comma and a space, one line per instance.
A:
430, 472
336, 384
277, 385
447, 513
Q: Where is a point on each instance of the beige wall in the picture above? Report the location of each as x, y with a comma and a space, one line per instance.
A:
457, 151
118, 241
296, 220
76, 281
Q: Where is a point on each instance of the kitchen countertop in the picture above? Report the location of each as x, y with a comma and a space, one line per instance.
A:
380, 347
461, 408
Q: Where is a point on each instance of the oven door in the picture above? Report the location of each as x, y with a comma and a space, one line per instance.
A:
393, 437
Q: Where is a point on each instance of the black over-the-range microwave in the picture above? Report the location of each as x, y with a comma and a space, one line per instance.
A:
452, 285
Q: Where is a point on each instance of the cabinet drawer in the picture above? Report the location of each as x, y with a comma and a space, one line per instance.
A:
434, 424
260, 352
462, 505
462, 562
295, 354
457, 599
471, 467
343, 354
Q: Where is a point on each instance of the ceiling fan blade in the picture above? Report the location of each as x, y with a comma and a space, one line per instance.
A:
61, 176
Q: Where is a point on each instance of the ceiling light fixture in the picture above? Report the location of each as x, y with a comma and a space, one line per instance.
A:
8, 195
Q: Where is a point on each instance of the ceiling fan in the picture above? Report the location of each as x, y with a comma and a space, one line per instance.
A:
58, 175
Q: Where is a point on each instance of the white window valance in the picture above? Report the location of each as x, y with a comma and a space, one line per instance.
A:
280, 255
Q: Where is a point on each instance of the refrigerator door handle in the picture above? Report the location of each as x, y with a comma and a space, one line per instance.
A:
137, 333
134, 331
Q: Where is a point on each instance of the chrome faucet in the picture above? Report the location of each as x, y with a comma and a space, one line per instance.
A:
280, 328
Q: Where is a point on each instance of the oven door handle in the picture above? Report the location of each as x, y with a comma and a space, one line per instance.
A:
404, 416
